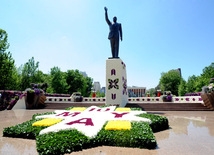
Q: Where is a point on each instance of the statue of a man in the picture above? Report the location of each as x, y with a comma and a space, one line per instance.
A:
114, 33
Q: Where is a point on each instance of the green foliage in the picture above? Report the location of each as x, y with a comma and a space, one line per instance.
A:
195, 84
24, 130
69, 108
182, 88
74, 80
151, 92
58, 81
88, 84
140, 136
30, 74
191, 84
46, 113
136, 109
98, 94
200, 82
104, 106
159, 123
69, 82
61, 142
16, 80
170, 81
4, 45
6, 63
208, 72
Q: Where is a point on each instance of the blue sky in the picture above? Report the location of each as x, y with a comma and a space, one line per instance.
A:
158, 35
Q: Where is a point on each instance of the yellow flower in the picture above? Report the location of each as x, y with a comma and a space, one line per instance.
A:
78, 109
123, 109
118, 125
47, 122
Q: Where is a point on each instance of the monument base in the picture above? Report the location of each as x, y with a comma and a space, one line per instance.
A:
116, 83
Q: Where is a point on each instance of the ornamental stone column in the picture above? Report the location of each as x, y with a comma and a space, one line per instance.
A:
116, 83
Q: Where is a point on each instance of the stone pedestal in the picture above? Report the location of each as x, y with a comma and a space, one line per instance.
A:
116, 83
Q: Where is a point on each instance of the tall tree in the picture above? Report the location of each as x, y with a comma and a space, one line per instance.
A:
4, 45
182, 88
191, 84
58, 81
170, 81
74, 80
208, 72
195, 84
28, 75
87, 86
6, 63
200, 82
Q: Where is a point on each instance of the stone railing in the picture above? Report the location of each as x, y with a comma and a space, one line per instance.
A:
51, 99
95, 99
68, 99
188, 99
179, 99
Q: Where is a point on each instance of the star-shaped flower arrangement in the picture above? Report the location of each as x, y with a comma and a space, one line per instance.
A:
66, 131
89, 121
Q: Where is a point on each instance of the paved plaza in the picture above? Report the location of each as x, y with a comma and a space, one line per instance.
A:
190, 132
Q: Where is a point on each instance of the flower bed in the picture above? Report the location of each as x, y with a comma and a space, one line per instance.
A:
8, 99
129, 129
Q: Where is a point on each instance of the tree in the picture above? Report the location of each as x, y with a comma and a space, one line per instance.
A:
29, 70
191, 84
87, 86
6, 63
182, 88
74, 80
200, 82
99, 94
195, 84
58, 81
4, 45
16, 79
170, 81
208, 72
39, 77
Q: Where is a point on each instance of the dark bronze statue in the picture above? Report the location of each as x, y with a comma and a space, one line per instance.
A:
114, 33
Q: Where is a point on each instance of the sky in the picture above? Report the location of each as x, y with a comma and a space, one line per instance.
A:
158, 36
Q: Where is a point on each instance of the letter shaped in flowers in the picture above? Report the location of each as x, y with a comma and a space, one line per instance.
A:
69, 114
99, 109
119, 115
87, 122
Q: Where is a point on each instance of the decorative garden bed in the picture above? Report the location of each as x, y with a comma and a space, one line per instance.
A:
81, 128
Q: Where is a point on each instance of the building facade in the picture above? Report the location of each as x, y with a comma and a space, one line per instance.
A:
96, 86
136, 91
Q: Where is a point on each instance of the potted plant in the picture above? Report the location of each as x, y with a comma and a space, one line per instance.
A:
167, 97
208, 98
32, 100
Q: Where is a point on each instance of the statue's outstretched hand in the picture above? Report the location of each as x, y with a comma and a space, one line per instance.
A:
105, 8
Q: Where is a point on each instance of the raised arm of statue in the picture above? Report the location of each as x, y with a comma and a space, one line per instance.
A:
106, 16
121, 33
